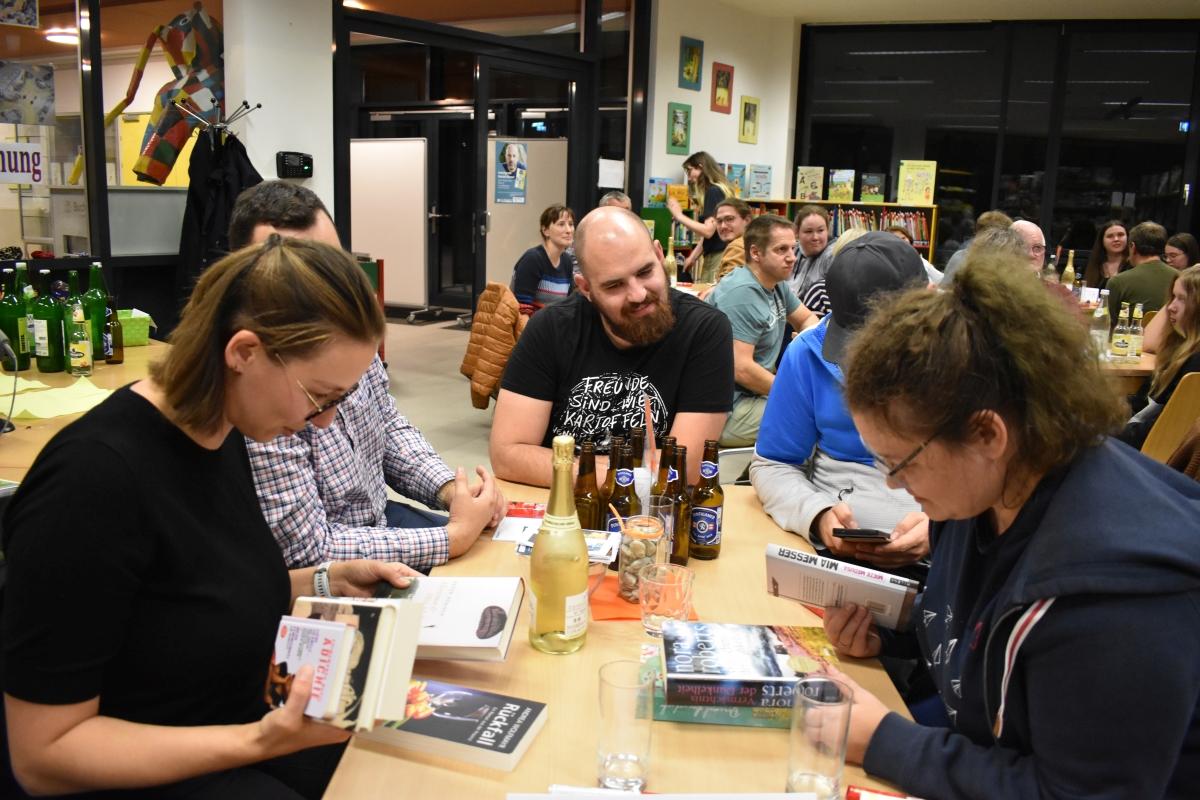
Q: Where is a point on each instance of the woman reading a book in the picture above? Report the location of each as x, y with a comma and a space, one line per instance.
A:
1061, 617
144, 586
708, 187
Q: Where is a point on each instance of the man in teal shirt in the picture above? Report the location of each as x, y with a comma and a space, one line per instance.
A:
759, 303
1150, 280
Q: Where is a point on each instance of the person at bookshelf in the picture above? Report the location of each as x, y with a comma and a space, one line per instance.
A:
616, 198
733, 215
1063, 648
589, 366
1109, 255
756, 299
1148, 280
988, 220
1035, 243
544, 273
1182, 251
324, 490
164, 687
935, 274
811, 470
707, 187
1174, 337
813, 255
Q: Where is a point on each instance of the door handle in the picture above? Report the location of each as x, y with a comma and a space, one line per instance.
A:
434, 216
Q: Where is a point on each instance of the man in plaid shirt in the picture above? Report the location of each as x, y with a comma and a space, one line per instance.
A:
323, 490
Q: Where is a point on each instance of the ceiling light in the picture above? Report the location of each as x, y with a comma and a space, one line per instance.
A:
860, 102
610, 16
353, 4
895, 82
915, 52
1097, 83
1146, 103
1144, 52
570, 26
62, 35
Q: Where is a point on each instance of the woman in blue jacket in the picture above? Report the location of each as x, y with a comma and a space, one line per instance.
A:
1061, 617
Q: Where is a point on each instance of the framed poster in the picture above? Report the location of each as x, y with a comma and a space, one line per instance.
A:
21, 13
748, 127
691, 60
679, 128
722, 88
512, 172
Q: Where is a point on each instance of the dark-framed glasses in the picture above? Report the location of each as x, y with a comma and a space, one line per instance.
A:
890, 471
318, 408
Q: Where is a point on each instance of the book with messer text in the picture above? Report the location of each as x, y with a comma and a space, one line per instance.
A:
829, 583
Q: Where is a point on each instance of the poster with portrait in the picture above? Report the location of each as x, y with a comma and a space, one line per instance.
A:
512, 165
749, 120
22, 13
679, 128
691, 61
722, 88
26, 93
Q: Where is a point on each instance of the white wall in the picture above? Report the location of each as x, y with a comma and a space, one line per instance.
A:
764, 54
279, 53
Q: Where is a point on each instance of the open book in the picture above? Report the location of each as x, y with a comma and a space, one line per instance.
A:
469, 619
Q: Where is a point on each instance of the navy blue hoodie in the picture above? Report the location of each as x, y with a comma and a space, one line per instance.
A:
1067, 651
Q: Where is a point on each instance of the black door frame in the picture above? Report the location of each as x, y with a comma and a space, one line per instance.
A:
491, 52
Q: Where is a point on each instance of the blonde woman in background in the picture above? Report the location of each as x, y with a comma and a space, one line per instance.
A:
707, 188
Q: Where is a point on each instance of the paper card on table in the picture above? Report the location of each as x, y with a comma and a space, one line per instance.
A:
521, 521
23, 385
607, 604
580, 793
602, 545
80, 396
1090, 294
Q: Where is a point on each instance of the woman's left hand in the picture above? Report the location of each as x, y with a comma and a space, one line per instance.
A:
866, 712
359, 578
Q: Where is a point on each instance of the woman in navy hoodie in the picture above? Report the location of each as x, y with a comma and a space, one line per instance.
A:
1061, 618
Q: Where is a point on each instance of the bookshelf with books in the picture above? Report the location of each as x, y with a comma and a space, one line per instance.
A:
919, 220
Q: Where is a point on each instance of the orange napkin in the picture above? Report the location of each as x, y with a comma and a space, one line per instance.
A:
607, 604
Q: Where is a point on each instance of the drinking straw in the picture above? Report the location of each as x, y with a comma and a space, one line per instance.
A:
648, 424
620, 522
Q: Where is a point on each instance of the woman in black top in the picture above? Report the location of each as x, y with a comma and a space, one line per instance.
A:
145, 587
708, 188
1109, 255
1174, 337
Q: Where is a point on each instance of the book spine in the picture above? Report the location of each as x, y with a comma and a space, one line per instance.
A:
740, 716
835, 567
726, 692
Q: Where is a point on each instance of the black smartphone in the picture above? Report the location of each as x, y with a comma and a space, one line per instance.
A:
863, 535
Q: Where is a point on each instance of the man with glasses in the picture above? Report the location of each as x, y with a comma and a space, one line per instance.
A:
1035, 242
811, 470
323, 491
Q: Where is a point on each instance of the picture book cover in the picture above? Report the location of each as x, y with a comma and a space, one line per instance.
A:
656, 192
810, 183
759, 178
493, 730
716, 664
679, 191
841, 185
736, 175
916, 182
871, 190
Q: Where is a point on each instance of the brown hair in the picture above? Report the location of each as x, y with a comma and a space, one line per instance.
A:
710, 175
738, 205
1187, 243
927, 362
1179, 347
992, 219
294, 294
807, 211
758, 232
1148, 238
1093, 273
551, 215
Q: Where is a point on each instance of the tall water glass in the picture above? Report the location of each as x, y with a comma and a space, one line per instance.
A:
817, 747
626, 711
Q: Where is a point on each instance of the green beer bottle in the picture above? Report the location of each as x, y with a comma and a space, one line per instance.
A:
48, 329
12, 322
95, 308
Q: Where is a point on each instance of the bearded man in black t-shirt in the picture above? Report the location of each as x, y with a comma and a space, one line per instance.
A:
586, 366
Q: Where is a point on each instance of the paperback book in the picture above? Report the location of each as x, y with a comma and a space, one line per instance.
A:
810, 181
468, 619
759, 178
829, 583
744, 716
656, 192
841, 185
736, 175
442, 719
679, 191
871, 189
719, 664
361, 650
916, 182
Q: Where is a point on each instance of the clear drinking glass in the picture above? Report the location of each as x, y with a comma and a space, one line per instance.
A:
626, 711
665, 592
641, 545
817, 747
663, 507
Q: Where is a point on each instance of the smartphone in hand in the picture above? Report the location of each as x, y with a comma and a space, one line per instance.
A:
869, 535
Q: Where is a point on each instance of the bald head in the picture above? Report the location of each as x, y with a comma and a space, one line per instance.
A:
607, 226
1035, 242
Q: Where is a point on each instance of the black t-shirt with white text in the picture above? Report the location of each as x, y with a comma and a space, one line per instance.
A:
564, 356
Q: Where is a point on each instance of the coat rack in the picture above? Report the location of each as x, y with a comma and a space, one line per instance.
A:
243, 110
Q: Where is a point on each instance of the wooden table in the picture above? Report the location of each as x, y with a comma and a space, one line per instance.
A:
19, 448
685, 758
1127, 378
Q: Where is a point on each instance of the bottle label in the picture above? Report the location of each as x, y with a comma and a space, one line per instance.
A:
613, 525
28, 338
1120, 344
706, 525
41, 338
107, 338
624, 477
708, 469
672, 474
81, 355
576, 616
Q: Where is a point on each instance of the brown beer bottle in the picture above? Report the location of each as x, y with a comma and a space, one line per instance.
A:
587, 493
666, 464
606, 488
678, 490
708, 505
637, 442
624, 497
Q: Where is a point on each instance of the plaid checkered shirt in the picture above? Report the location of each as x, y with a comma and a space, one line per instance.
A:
323, 490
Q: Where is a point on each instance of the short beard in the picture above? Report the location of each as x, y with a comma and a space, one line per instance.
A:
646, 330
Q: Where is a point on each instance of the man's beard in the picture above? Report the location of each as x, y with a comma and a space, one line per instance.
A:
641, 331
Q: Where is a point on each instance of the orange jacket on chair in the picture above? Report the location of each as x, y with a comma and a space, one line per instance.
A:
497, 325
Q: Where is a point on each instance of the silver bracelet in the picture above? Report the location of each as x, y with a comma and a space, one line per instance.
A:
321, 580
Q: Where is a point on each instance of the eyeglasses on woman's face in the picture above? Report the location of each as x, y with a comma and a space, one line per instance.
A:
318, 408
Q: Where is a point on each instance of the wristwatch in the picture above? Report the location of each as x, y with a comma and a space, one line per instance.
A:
321, 580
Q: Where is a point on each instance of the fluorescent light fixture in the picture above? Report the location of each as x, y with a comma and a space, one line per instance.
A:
353, 4
567, 28
915, 52
533, 115
1147, 103
842, 116
952, 115
860, 102
62, 35
896, 82
1096, 83
610, 16
1143, 52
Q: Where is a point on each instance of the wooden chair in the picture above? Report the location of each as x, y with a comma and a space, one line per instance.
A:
1146, 318
1176, 418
